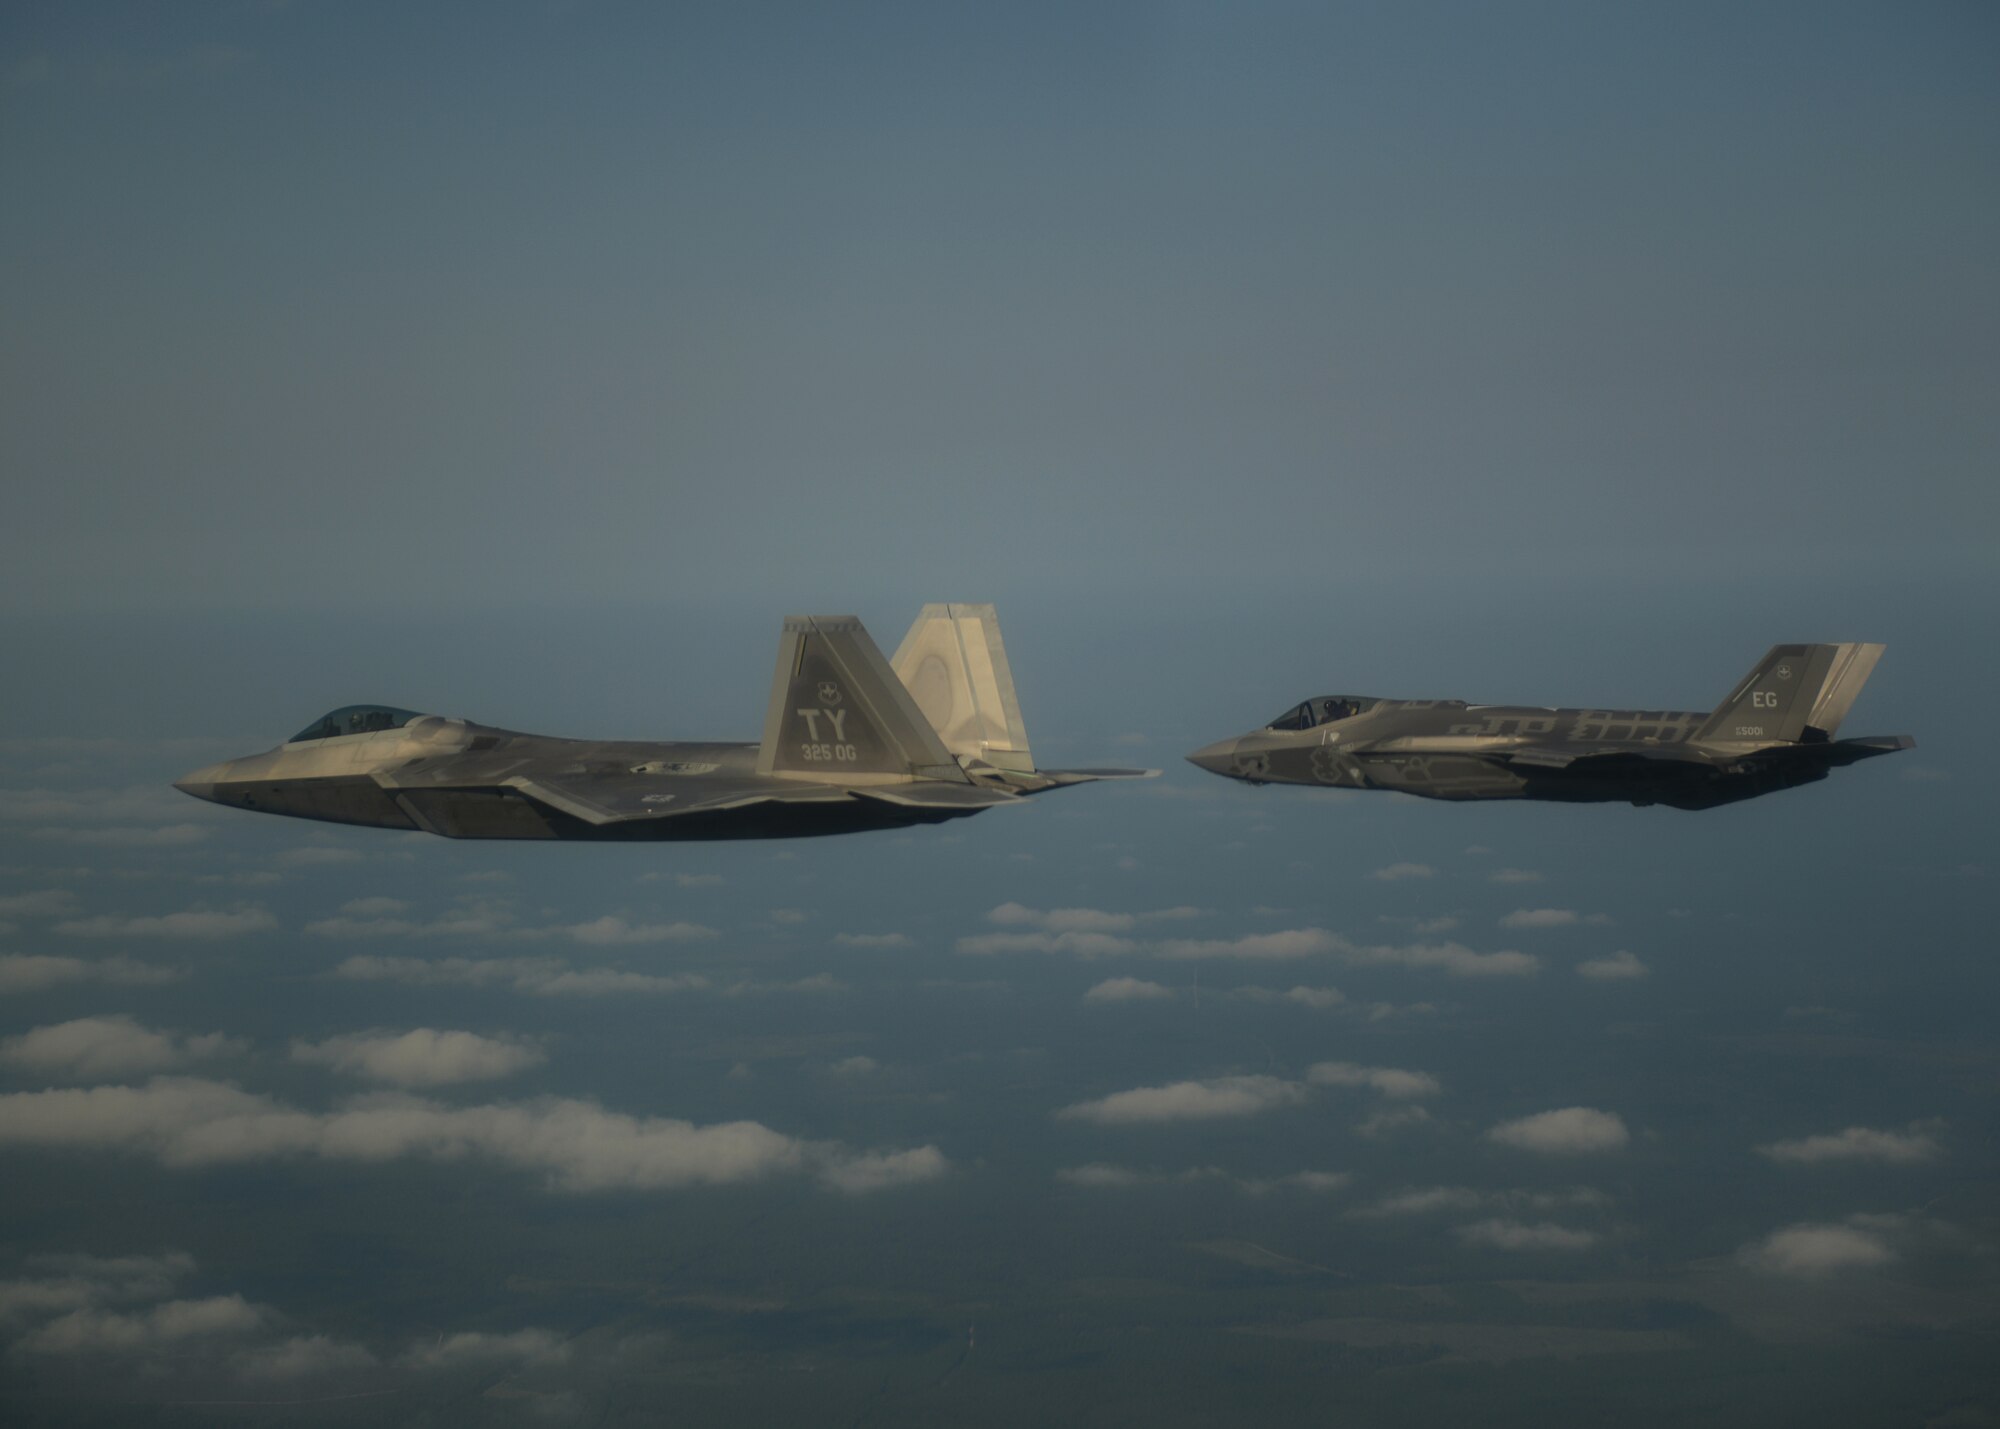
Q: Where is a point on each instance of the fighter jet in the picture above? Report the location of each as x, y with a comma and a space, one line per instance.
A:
850, 743
1774, 731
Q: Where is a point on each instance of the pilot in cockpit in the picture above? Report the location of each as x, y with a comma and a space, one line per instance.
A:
1325, 709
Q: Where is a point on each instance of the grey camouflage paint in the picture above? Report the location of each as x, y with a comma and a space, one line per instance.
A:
1774, 731
847, 747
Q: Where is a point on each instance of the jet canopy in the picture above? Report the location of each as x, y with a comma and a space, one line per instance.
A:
1323, 709
355, 719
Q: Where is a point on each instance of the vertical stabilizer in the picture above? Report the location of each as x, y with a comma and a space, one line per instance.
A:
1852, 665
1795, 693
955, 667
838, 709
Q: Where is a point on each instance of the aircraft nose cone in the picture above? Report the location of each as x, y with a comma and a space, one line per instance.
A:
202, 782
1217, 758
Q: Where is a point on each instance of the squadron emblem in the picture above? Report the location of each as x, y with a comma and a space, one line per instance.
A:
829, 693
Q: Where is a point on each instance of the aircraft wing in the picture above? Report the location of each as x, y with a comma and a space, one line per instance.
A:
624, 798
1084, 776
1531, 758
1834, 752
608, 796
1571, 759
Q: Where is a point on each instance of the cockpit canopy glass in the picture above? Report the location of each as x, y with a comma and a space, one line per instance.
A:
1324, 709
355, 719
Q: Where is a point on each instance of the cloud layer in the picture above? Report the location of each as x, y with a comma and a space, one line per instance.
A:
578, 1145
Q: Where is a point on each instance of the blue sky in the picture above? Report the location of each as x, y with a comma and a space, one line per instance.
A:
530, 363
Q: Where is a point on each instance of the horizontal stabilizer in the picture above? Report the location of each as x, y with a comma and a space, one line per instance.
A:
1086, 776
935, 794
1836, 752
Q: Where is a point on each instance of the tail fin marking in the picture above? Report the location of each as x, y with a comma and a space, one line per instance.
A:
837, 708
1796, 692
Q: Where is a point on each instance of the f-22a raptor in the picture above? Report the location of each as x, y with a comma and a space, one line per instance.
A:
850, 743
1774, 731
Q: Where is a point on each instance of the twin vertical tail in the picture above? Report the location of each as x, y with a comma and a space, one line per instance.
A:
944, 713
954, 665
1796, 694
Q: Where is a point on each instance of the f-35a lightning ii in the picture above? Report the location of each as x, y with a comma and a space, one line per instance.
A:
1774, 731
850, 743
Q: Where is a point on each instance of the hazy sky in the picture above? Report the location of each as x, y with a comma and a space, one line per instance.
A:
318, 305
530, 363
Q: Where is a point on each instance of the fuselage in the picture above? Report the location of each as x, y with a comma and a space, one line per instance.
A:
1448, 749
334, 779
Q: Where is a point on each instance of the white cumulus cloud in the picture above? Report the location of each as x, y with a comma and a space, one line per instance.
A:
113, 1046
1062, 920
1808, 1250
1127, 989
1454, 958
543, 977
1396, 872
302, 1357
44, 903
422, 1057
1280, 946
1317, 997
1859, 1143
167, 1323
1075, 943
1392, 1119
1092, 933
1612, 968
1425, 1201
74, 1282
126, 836
1104, 1176
578, 1146
1430, 1200
318, 856
1516, 1235
883, 1170
874, 940
616, 932
1188, 1101
375, 907
1389, 1081
474, 1347
1567, 1130
1540, 918
192, 923
29, 972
